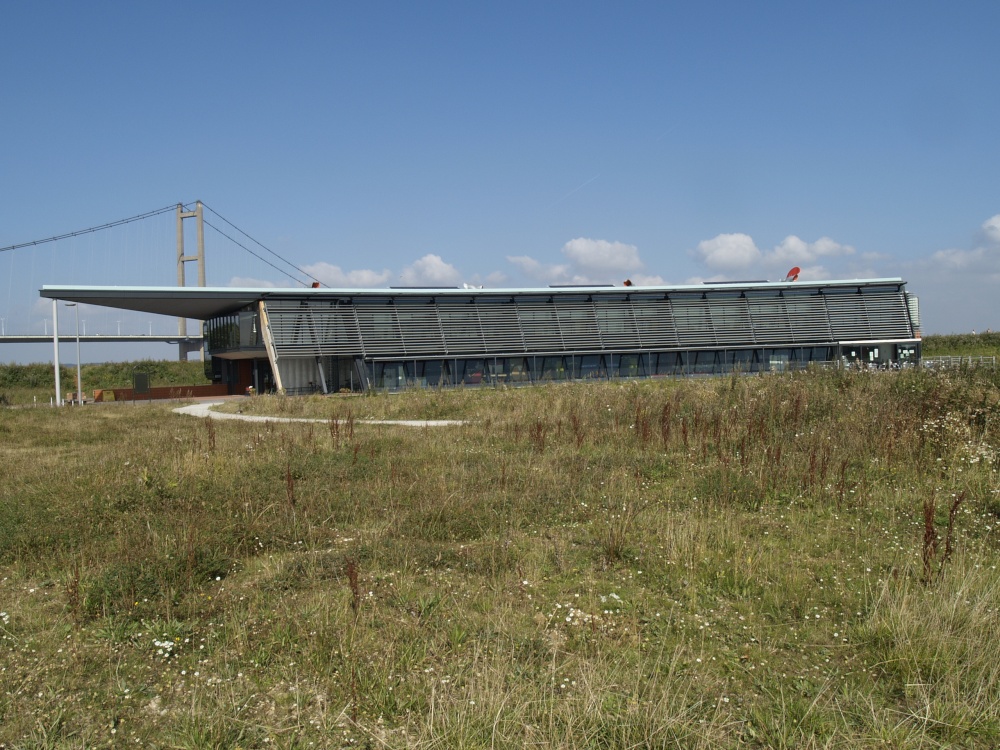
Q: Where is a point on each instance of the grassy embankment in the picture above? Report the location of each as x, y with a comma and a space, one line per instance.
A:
35, 383
26, 384
782, 561
963, 345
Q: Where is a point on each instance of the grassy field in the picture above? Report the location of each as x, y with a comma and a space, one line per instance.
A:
35, 383
802, 561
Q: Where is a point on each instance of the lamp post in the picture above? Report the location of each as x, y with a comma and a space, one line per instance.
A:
79, 380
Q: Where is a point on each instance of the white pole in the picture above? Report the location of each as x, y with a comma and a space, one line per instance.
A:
79, 380
55, 345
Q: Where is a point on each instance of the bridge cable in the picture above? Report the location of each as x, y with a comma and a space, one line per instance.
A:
109, 225
258, 257
283, 260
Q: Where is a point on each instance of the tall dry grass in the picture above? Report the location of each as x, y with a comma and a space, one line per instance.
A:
705, 563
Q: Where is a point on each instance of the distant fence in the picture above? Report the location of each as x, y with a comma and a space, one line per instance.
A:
940, 363
170, 391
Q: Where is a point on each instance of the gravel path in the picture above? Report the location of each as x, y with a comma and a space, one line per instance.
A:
204, 409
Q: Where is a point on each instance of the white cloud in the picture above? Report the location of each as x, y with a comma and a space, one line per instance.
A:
796, 251
590, 261
729, 251
549, 273
737, 252
334, 276
601, 255
431, 270
496, 278
991, 230
527, 264
984, 259
979, 263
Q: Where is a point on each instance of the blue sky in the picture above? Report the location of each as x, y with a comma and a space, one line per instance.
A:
516, 144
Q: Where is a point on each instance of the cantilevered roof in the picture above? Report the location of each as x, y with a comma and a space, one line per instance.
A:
199, 303
202, 303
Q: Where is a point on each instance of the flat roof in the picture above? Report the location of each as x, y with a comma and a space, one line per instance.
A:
202, 303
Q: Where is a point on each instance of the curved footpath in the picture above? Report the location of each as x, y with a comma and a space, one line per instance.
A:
204, 409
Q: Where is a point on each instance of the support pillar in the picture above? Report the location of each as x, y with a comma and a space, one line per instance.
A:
55, 345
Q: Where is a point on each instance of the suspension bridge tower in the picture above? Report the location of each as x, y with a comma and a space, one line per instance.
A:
185, 345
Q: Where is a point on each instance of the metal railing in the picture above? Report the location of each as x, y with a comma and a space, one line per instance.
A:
940, 363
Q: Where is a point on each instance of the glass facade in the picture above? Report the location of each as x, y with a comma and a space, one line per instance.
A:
497, 371
334, 340
235, 332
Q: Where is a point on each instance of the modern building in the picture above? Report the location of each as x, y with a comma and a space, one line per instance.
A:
328, 340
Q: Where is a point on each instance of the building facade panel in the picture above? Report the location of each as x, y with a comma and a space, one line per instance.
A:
407, 338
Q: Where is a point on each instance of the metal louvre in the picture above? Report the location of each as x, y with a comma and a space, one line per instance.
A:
379, 330
420, 328
500, 325
616, 324
808, 319
694, 322
768, 318
577, 324
731, 321
654, 320
887, 314
432, 326
848, 316
316, 329
539, 326
461, 327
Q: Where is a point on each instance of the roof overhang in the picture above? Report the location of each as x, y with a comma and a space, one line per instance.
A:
198, 303
202, 303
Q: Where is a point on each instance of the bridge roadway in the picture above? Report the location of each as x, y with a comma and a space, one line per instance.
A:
63, 338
